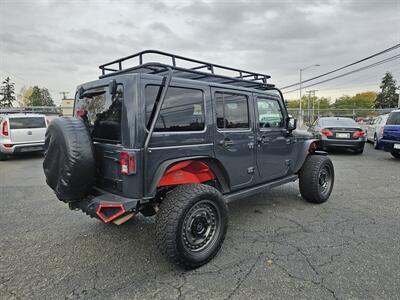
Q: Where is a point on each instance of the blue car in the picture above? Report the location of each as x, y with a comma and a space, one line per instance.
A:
391, 134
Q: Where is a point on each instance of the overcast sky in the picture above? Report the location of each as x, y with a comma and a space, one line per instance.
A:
59, 44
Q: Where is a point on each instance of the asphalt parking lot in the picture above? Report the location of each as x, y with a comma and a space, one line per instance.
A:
277, 245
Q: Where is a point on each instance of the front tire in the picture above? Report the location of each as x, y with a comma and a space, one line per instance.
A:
376, 144
316, 179
191, 224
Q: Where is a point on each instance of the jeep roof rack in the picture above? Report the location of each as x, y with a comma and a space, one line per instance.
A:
199, 70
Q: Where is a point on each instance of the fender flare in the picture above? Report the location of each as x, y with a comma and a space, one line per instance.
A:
216, 168
301, 158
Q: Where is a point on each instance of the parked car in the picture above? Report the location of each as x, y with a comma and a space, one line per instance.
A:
178, 143
391, 134
374, 131
21, 133
338, 132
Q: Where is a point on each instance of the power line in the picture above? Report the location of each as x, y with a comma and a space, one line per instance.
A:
350, 72
346, 66
345, 86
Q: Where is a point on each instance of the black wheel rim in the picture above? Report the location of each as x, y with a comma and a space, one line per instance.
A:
201, 226
324, 181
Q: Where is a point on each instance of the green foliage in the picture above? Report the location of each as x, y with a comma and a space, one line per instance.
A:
7, 93
388, 97
23, 96
38, 97
323, 103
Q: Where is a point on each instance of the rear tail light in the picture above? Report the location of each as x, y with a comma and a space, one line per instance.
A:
127, 163
4, 128
358, 134
8, 145
326, 132
312, 148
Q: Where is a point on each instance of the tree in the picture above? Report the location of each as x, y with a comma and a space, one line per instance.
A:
388, 97
7, 93
364, 100
23, 96
39, 97
343, 102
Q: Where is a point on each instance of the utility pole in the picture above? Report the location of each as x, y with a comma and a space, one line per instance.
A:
311, 95
64, 95
300, 87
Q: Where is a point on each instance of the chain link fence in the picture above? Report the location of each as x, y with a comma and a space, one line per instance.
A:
46, 110
359, 115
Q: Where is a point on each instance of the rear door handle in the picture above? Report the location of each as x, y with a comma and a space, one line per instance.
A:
263, 139
226, 142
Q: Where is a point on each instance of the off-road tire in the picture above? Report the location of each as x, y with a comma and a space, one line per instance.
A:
309, 178
69, 164
170, 220
395, 154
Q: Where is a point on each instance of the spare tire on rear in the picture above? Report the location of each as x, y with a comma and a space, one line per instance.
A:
69, 164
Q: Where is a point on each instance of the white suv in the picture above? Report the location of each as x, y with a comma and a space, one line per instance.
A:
21, 133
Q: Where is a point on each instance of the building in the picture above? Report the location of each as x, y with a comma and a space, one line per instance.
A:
67, 107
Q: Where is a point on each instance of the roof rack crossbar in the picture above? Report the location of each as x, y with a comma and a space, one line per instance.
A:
204, 70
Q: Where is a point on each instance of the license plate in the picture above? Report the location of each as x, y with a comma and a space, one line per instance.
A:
29, 149
342, 135
396, 146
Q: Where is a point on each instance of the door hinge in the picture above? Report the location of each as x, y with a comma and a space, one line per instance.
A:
250, 170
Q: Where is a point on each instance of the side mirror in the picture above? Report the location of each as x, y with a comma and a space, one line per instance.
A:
291, 124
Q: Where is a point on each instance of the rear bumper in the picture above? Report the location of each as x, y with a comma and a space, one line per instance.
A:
388, 145
107, 207
351, 144
21, 147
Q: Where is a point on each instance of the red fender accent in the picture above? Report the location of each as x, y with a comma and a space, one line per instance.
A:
190, 171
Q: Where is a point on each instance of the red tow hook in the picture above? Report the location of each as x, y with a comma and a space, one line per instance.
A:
109, 212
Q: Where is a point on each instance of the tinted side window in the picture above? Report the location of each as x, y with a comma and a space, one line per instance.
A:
269, 113
183, 109
394, 119
232, 111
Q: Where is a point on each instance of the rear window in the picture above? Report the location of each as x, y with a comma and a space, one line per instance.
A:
338, 122
102, 114
394, 118
24, 123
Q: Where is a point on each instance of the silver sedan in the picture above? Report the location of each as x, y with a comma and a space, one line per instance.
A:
375, 130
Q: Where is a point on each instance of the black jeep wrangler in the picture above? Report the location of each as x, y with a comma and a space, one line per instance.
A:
179, 140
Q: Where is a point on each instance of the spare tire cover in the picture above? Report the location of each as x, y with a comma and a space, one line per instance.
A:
69, 164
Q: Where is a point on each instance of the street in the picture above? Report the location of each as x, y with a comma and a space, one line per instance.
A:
277, 246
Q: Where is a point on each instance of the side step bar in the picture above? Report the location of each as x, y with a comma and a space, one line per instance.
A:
258, 189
